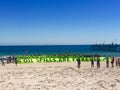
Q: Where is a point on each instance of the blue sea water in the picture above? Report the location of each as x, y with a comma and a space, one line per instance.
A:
51, 49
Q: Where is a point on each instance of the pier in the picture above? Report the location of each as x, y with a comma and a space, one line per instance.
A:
106, 47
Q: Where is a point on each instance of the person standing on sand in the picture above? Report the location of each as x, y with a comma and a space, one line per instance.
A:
107, 62
9, 59
116, 62
78, 62
98, 62
2, 61
119, 62
112, 62
92, 62
15, 59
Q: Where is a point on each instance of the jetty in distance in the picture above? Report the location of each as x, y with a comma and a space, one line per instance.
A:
113, 47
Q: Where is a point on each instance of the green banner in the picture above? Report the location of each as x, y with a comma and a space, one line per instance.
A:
41, 59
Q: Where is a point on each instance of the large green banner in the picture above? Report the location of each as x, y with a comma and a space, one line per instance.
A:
40, 59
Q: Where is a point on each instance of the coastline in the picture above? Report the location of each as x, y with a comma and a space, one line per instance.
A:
51, 49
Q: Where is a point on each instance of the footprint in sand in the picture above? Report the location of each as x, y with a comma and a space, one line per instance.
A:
56, 74
102, 84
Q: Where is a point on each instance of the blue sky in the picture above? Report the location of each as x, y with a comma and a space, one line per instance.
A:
47, 22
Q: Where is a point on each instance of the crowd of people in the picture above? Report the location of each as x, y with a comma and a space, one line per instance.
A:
10, 59
114, 62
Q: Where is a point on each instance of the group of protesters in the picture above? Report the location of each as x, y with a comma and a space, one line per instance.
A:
10, 59
114, 62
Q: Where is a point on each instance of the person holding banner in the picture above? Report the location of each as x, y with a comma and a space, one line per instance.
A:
78, 62
107, 62
98, 62
112, 62
15, 59
2, 61
92, 61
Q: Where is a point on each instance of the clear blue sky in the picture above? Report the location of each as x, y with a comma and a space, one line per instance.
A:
59, 21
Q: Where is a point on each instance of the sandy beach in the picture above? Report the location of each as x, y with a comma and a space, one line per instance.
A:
58, 76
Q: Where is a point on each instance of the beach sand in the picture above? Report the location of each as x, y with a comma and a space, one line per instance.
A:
58, 76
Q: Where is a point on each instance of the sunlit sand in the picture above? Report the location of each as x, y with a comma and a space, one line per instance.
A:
58, 76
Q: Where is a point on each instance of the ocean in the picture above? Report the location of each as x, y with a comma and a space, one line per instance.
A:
51, 49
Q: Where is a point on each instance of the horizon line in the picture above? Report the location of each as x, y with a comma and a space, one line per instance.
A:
47, 44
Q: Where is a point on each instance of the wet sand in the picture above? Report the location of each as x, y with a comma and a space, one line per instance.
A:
58, 76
